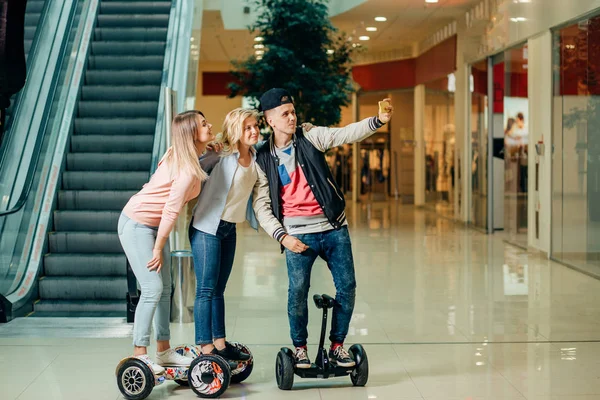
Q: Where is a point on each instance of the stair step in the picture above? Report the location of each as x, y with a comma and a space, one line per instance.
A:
112, 180
112, 143
74, 314
81, 306
117, 109
32, 19
133, 21
128, 48
120, 93
27, 45
130, 34
143, 76
115, 126
138, 7
94, 199
85, 265
109, 161
84, 242
86, 221
29, 32
83, 288
129, 63
34, 7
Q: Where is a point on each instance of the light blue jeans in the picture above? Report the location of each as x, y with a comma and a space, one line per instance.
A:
155, 301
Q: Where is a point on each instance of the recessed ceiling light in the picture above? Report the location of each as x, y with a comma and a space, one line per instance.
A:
191, 39
371, 29
380, 19
330, 51
259, 46
363, 38
259, 52
259, 58
431, 1
259, 39
518, 19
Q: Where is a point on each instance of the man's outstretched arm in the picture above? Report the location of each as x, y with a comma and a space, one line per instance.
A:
324, 138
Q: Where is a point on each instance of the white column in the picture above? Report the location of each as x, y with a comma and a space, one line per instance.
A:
355, 153
462, 116
420, 145
540, 130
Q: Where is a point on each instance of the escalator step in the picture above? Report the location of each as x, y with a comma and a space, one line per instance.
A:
143, 76
79, 308
30, 32
130, 34
83, 288
113, 200
34, 6
86, 221
84, 242
129, 63
112, 180
117, 109
27, 45
138, 7
31, 19
85, 264
112, 143
109, 161
120, 93
133, 21
115, 126
128, 48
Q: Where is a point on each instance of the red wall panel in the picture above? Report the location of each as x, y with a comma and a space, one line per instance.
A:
215, 83
386, 75
437, 62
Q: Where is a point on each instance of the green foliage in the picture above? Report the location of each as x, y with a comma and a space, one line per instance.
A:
297, 35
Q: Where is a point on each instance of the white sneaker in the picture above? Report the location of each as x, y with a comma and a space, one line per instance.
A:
157, 369
172, 358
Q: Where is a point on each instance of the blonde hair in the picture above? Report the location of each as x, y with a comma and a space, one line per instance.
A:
233, 128
182, 156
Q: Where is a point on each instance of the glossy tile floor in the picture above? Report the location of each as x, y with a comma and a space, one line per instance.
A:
444, 313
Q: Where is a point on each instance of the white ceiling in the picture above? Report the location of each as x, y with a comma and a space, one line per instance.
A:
408, 22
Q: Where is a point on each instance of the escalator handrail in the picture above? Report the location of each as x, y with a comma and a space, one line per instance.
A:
39, 130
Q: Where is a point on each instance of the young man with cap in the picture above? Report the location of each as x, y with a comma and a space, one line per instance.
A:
298, 202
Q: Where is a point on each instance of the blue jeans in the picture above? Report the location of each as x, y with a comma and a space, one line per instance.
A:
213, 260
155, 301
335, 248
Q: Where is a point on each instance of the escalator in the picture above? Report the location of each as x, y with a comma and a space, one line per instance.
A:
109, 160
82, 145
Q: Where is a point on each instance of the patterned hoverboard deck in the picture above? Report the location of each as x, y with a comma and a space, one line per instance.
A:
194, 351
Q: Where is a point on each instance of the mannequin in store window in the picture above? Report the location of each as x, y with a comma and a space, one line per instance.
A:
449, 148
522, 137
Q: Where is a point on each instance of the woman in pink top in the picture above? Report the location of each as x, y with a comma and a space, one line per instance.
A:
144, 228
